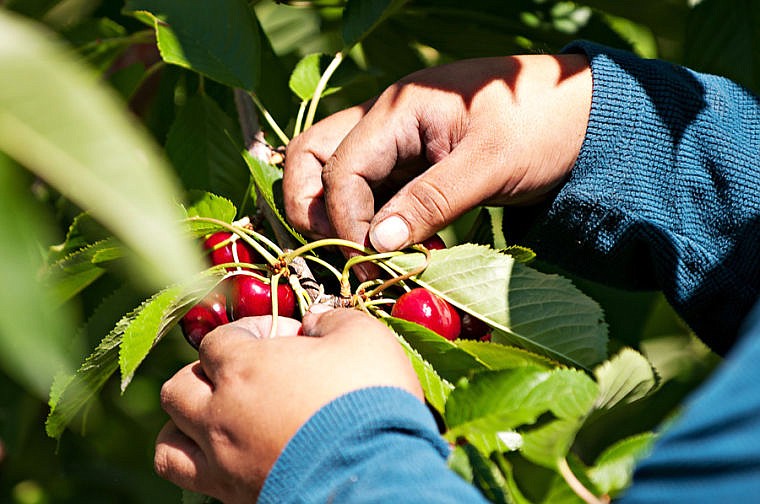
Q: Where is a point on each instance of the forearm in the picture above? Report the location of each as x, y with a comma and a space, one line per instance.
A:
374, 445
664, 191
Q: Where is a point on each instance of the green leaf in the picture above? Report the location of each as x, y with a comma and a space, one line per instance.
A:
35, 342
496, 356
445, 356
481, 472
70, 393
125, 346
722, 37
613, 469
268, 181
361, 16
623, 379
542, 313
305, 77
151, 321
204, 145
218, 39
436, 389
59, 121
548, 444
206, 204
492, 404
70, 275
520, 254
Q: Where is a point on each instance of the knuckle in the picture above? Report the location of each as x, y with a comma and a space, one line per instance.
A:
429, 203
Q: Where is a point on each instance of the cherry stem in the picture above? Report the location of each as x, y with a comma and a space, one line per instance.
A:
345, 288
272, 123
405, 276
321, 85
578, 487
242, 232
299, 117
274, 282
325, 242
324, 264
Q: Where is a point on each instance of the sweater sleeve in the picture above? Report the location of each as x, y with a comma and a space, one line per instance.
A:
375, 445
665, 193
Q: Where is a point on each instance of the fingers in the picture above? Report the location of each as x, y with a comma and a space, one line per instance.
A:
217, 352
364, 351
433, 200
179, 459
302, 179
385, 138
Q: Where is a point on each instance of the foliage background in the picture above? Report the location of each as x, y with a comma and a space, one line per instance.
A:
111, 461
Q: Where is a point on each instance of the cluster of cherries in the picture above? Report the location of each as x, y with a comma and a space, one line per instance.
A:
435, 313
238, 296
244, 295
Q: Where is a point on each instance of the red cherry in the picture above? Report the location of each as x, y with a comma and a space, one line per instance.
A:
250, 297
472, 327
425, 308
435, 242
223, 254
202, 318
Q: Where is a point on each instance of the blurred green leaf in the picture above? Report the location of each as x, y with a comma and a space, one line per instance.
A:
35, 330
219, 39
68, 276
104, 164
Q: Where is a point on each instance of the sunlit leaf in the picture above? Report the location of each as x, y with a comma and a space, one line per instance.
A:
268, 181
537, 311
624, 378
436, 389
306, 75
613, 469
444, 355
219, 39
154, 318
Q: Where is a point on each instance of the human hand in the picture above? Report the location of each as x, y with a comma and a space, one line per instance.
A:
444, 140
233, 411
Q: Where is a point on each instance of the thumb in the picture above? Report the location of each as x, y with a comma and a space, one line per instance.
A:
430, 202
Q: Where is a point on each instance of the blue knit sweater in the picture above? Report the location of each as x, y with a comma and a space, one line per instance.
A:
665, 194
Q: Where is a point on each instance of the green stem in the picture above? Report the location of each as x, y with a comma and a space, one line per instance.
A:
272, 123
321, 85
242, 232
324, 264
574, 483
325, 242
358, 260
260, 237
299, 118
274, 281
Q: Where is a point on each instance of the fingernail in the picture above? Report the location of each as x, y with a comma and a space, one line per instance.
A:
390, 234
